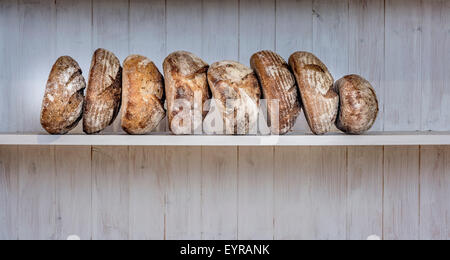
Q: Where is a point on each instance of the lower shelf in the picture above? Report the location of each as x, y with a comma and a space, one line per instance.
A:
293, 139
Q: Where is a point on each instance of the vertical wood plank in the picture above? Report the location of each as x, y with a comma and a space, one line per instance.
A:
310, 193
219, 193
365, 192
294, 14
9, 191
366, 47
256, 28
255, 193
148, 181
434, 193
37, 48
73, 192
74, 35
330, 25
436, 61
9, 76
403, 104
401, 193
184, 23
110, 193
183, 199
37, 200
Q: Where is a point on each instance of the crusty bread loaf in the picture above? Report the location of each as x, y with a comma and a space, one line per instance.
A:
236, 91
277, 83
358, 108
62, 106
186, 91
320, 101
142, 95
103, 95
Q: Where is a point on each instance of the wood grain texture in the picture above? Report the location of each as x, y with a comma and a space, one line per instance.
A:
256, 28
219, 193
73, 192
435, 59
255, 193
401, 193
110, 193
9, 193
37, 198
365, 192
434, 193
403, 65
183, 197
148, 180
366, 47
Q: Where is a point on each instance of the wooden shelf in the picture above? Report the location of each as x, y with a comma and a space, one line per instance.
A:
293, 139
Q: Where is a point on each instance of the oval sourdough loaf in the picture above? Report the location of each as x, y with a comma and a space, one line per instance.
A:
142, 95
315, 82
62, 106
103, 95
358, 107
236, 91
186, 92
277, 83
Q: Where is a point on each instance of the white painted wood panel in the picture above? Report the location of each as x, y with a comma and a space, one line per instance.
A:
401, 193
148, 180
110, 193
255, 193
37, 198
434, 193
9, 193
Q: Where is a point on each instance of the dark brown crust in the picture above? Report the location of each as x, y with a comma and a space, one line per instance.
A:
103, 96
277, 83
62, 105
358, 107
320, 101
184, 75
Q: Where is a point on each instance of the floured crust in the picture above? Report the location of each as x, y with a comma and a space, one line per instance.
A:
103, 96
231, 80
63, 101
142, 96
320, 101
185, 75
358, 107
277, 83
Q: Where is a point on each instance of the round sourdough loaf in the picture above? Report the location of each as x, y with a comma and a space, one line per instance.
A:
320, 101
142, 95
236, 91
358, 107
103, 95
277, 83
63, 101
186, 92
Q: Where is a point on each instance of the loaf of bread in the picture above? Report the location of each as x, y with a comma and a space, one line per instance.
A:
186, 92
103, 95
358, 108
62, 106
236, 92
277, 83
142, 95
320, 101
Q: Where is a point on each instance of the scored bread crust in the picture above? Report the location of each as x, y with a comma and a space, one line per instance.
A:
103, 95
358, 108
62, 105
277, 83
232, 81
320, 101
185, 75
142, 95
